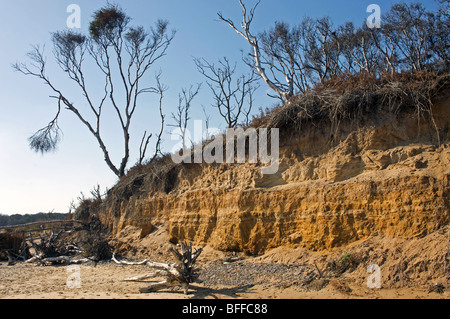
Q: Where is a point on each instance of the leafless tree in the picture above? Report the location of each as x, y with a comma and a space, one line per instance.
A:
291, 59
320, 47
359, 50
438, 39
207, 123
409, 29
283, 55
123, 55
182, 116
96, 193
160, 89
385, 43
233, 95
412, 38
258, 59
305, 54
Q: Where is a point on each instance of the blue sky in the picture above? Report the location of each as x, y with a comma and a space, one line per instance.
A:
30, 182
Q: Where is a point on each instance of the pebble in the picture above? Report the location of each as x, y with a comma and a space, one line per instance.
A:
239, 274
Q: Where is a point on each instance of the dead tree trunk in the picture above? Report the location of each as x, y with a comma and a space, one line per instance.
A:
179, 274
52, 250
47, 247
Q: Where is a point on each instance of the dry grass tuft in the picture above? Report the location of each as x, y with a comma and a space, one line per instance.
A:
356, 99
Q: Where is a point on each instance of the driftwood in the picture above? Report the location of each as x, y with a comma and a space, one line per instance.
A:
51, 244
179, 274
47, 247
64, 260
57, 260
19, 239
52, 250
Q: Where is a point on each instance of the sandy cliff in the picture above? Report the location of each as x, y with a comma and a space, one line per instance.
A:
387, 174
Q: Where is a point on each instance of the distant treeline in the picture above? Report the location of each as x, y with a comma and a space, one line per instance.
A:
18, 219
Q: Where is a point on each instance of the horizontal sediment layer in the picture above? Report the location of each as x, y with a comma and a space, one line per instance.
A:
390, 177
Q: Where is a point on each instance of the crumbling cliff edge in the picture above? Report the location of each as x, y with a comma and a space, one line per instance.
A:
381, 166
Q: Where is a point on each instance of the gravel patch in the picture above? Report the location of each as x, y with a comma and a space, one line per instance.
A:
243, 273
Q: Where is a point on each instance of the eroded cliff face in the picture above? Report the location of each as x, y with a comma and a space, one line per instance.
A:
389, 176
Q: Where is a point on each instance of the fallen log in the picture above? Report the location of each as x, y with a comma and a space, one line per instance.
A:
58, 247
60, 260
151, 275
63, 260
52, 250
32, 260
179, 274
124, 262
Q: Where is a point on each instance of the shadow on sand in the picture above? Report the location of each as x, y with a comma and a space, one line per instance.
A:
199, 292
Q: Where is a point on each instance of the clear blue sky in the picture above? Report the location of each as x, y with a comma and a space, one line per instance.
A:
30, 182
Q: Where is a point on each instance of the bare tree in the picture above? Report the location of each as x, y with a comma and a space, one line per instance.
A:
359, 49
385, 43
412, 38
318, 47
123, 55
160, 89
289, 59
305, 54
292, 59
207, 123
258, 60
438, 40
231, 94
409, 29
282, 47
182, 116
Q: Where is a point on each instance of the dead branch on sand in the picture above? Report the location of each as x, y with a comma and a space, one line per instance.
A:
52, 250
179, 274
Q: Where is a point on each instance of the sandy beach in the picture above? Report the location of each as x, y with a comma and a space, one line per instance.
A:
105, 281
409, 269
